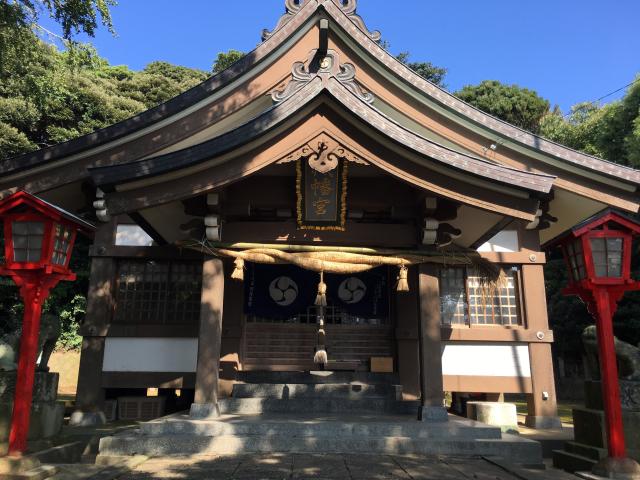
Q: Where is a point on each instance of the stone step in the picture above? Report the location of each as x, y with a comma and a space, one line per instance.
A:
516, 449
572, 462
315, 390
594, 453
254, 406
322, 376
318, 427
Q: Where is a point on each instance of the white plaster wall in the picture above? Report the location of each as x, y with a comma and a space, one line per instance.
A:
505, 241
150, 355
132, 236
486, 360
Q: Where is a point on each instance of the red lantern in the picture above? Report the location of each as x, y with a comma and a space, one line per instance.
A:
39, 239
598, 256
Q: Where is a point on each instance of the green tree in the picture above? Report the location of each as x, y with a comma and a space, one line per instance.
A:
19, 18
426, 70
610, 131
519, 106
55, 96
225, 59
73, 16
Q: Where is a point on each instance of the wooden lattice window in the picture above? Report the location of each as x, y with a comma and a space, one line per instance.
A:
158, 292
453, 297
466, 299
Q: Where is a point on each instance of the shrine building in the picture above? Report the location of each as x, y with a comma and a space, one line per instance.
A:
318, 206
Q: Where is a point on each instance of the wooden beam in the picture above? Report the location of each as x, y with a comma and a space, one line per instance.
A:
489, 234
374, 235
148, 228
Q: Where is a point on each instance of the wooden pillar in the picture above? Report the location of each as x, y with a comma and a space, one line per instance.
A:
407, 320
432, 393
100, 301
210, 339
542, 402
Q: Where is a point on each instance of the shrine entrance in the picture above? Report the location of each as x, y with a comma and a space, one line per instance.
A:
281, 322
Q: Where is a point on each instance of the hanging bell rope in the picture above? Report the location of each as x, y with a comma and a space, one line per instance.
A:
403, 283
238, 271
321, 357
321, 298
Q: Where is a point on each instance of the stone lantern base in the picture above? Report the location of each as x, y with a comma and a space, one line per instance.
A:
47, 413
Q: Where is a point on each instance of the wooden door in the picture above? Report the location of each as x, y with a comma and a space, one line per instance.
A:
290, 345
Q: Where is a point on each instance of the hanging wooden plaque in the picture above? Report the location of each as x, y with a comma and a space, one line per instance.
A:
321, 197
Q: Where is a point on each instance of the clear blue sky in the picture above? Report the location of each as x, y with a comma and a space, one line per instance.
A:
567, 50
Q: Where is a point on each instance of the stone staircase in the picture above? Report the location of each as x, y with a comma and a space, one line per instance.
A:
316, 393
325, 412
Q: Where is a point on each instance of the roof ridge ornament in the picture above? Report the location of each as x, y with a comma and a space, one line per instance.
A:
324, 66
292, 7
349, 8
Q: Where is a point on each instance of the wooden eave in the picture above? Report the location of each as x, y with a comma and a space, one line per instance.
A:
496, 126
416, 160
157, 129
168, 123
106, 177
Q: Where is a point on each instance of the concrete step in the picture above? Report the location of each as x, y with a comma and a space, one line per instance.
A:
516, 449
318, 427
315, 390
322, 376
594, 453
38, 473
572, 462
254, 406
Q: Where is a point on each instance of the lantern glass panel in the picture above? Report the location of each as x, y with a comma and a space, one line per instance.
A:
61, 243
576, 260
27, 241
607, 256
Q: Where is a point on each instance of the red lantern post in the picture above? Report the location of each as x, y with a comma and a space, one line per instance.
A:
598, 255
39, 239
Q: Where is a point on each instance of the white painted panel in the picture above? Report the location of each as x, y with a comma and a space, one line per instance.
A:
486, 360
505, 241
150, 355
132, 236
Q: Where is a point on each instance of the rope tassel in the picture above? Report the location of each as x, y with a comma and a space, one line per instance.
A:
321, 357
321, 298
403, 283
238, 272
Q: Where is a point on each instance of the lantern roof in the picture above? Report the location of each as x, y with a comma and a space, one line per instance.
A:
608, 216
55, 213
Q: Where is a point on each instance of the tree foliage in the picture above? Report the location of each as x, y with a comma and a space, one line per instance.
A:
19, 17
225, 59
426, 70
55, 95
519, 106
73, 16
610, 131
